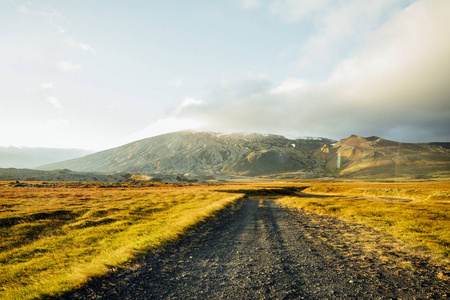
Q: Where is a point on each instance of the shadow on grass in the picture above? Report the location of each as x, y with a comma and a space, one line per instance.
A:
281, 191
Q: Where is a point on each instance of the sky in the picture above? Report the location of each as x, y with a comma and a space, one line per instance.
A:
92, 74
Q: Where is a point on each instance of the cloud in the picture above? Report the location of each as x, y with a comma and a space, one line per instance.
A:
46, 86
58, 124
250, 4
407, 61
237, 89
296, 10
166, 125
339, 27
48, 12
81, 46
175, 121
395, 87
177, 82
54, 101
113, 105
68, 66
186, 103
23, 9
290, 85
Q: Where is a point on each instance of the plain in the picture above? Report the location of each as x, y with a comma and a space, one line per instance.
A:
56, 236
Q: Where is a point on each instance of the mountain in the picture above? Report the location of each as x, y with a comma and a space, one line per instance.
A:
203, 153
208, 155
24, 157
374, 157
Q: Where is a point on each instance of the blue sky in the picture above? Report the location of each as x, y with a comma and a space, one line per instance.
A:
98, 74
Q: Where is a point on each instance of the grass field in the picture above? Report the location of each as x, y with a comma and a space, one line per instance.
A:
417, 212
55, 239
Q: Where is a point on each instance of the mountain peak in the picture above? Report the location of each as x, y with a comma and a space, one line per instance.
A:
218, 155
193, 152
367, 142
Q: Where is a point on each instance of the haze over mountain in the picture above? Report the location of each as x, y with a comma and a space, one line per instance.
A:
206, 154
25, 157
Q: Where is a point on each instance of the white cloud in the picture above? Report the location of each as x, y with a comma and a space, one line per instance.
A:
58, 124
250, 4
166, 125
224, 83
113, 105
177, 82
406, 61
290, 85
47, 86
68, 66
188, 102
48, 12
54, 101
23, 9
340, 26
395, 87
296, 10
173, 122
78, 45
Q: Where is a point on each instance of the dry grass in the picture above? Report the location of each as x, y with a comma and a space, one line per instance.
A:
418, 212
55, 239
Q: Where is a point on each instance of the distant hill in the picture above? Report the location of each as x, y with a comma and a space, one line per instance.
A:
203, 153
207, 155
375, 157
24, 157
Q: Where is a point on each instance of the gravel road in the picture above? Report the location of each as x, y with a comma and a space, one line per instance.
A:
259, 250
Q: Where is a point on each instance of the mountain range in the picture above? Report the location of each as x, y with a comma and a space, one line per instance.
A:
29, 157
207, 155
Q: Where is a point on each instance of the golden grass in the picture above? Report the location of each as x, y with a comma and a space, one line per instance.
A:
55, 239
418, 212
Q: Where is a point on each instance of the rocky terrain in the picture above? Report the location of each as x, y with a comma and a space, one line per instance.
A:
259, 250
58, 175
203, 153
375, 157
206, 155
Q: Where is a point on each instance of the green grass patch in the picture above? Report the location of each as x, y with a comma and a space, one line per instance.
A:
55, 240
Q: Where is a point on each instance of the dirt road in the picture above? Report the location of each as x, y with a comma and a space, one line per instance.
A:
263, 251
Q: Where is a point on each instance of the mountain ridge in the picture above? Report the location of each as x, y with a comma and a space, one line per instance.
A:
209, 154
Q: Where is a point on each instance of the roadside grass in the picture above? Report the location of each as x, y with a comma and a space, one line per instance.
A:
55, 239
416, 212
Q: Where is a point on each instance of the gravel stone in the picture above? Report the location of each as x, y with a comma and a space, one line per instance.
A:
259, 250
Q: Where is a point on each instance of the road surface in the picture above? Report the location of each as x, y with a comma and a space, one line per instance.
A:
260, 250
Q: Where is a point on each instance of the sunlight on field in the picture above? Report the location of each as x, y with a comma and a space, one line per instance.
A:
418, 212
55, 239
